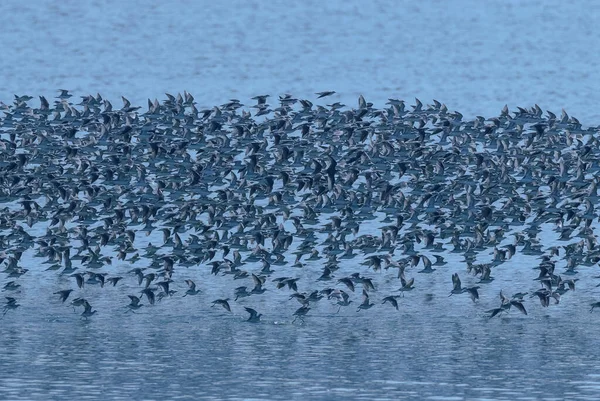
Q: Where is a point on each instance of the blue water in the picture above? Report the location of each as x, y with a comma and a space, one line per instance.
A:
473, 56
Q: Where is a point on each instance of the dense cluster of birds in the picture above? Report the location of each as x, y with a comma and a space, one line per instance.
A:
319, 202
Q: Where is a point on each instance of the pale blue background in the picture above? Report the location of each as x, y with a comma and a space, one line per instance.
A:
475, 56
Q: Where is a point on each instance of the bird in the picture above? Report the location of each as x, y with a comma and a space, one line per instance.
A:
344, 301
495, 311
323, 94
11, 286
473, 293
114, 280
64, 94
261, 99
258, 284
366, 303
519, 305
254, 316
301, 312
79, 279
64, 294
406, 285
78, 302
506, 303
241, 292
229, 186
87, 311
223, 302
347, 282
134, 304
149, 293
392, 300
457, 288
427, 265
165, 286
11, 303
594, 305
192, 288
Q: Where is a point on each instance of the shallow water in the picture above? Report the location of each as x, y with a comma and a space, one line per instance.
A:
397, 356
474, 57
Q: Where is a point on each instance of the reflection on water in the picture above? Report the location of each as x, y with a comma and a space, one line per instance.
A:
393, 357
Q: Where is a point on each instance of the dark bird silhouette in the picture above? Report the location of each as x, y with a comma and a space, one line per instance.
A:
301, 312
392, 300
64, 294
254, 316
223, 302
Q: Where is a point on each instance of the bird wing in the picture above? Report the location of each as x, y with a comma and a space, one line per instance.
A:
473, 293
426, 261
257, 281
495, 312
456, 282
519, 306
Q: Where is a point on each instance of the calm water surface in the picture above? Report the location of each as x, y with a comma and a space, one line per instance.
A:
397, 356
473, 56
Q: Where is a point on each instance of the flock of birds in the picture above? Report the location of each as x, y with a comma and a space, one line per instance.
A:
319, 202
